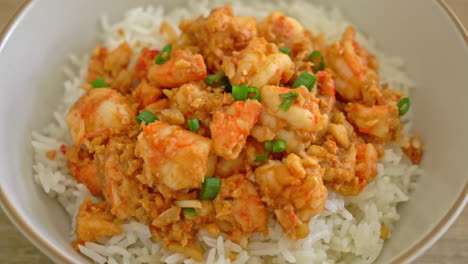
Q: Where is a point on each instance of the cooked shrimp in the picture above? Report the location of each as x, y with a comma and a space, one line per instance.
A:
294, 188
93, 222
98, 110
218, 35
231, 126
366, 161
83, 169
381, 122
144, 62
349, 170
182, 67
118, 167
239, 204
165, 150
112, 67
146, 94
280, 29
355, 68
194, 100
299, 124
259, 64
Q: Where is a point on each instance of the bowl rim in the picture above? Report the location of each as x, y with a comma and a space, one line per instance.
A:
412, 253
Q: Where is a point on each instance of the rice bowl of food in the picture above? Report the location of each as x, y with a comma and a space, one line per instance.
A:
238, 132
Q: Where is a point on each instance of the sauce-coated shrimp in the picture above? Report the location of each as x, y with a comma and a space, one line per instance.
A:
299, 124
231, 126
93, 222
98, 110
294, 188
218, 35
259, 64
355, 68
379, 121
239, 204
166, 149
182, 67
280, 29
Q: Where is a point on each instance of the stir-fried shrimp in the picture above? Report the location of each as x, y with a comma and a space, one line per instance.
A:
240, 208
299, 124
194, 100
366, 161
231, 126
182, 67
93, 222
379, 121
165, 150
82, 167
218, 35
118, 167
98, 110
259, 64
355, 68
294, 188
144, 62
280, 29
211, 136
112, 67
146, 94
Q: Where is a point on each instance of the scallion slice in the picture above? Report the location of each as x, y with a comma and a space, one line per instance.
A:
269, 145
189, 211
403, 106
240, 92
210, 188
317, 56
285, 51
288, 100
279, 146
262, 157
164, 54
256, 91
99, 83
193, 124
146, 116
216, 79
306, 79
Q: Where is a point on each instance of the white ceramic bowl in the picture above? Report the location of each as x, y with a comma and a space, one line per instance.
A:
425, 33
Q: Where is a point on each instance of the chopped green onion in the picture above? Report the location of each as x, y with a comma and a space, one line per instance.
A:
403, 106
210, 188
146, 116
193, 124
189, 211
164, 54
256, 91
313, 57
285, 51
262, 157
99, 83
269, 145
216, 79
279, 146
288, 100
240, 92
306, 79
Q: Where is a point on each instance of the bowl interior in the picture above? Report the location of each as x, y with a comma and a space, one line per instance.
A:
420, 31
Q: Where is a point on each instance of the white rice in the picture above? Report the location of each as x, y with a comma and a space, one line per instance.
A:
348, 230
